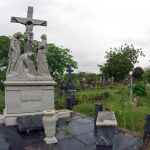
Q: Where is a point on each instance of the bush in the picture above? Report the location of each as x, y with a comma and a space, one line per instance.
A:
2, 79
60, 104
139, 89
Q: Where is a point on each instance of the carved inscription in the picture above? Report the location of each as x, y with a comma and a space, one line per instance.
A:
31, 95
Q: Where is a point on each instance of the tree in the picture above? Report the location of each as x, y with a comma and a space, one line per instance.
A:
137, 73
146, 75
120, 61
4, 48
58, 58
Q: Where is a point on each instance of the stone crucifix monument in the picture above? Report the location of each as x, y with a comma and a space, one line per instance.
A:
29, 22
29, 87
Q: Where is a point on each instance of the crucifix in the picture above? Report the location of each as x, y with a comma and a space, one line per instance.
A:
69, 70
29, 23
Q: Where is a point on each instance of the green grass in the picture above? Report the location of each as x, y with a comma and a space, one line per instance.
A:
129, 115
85, 108
60, 103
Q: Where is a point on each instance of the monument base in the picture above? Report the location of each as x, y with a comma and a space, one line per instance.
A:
24, 98
10, 119
50, 140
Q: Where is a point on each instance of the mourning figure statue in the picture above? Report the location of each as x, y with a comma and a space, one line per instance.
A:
42, 65
23, 66
14, 52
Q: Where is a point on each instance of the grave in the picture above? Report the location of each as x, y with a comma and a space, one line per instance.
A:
29, 88
70, 91
106, 123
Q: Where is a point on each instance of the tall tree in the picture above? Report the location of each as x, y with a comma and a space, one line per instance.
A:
120, 61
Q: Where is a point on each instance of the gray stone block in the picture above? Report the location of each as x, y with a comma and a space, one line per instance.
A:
29, 123
106, 123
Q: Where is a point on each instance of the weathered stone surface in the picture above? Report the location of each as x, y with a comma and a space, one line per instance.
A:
147, 124
106, 122
27, 97
127, 140
41, 60
77, 140
29, 123
14, 52
105, 135
106, 119
3, 144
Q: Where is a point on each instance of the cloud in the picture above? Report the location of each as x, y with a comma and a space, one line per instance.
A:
87, 27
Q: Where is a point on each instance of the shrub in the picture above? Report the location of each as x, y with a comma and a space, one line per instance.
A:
60, 104
139, 89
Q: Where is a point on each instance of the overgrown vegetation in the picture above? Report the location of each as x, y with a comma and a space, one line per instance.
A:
130, 115
139, 89
2, 101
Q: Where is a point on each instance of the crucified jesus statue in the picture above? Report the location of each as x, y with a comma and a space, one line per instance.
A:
29, 23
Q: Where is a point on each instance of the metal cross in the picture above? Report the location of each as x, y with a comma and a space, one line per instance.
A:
69, 70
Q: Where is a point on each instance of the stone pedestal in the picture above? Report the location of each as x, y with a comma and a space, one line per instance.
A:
27, 98
106, 122
49, 122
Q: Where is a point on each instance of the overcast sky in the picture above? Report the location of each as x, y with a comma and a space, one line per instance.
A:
87, 27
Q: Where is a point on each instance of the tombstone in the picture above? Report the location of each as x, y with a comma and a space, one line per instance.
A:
147, 130
98, 107
104, 80
28, 89
106, 123
70, 91
105, 95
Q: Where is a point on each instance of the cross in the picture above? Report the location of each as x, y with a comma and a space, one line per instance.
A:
69, 70
29, 22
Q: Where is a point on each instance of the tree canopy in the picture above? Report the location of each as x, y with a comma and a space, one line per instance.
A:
137, 73
120, 61
4, 48
58, 57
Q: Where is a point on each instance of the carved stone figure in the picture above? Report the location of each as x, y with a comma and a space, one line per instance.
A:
29, 23
14, 52
42, 65
23, 66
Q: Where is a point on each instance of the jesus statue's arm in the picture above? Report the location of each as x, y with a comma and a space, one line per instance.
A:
18, 20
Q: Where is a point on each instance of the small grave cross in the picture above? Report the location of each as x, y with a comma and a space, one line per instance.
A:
69, 70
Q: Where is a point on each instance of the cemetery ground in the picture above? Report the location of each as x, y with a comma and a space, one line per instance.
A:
130, 114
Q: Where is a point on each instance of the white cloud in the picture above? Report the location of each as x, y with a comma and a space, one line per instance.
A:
87, 27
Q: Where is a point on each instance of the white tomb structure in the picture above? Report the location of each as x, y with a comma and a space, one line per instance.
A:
29, 88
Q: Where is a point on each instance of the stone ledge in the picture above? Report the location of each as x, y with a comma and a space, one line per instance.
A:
64, 113
22, 83
10, 119
105, 118
2, 119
